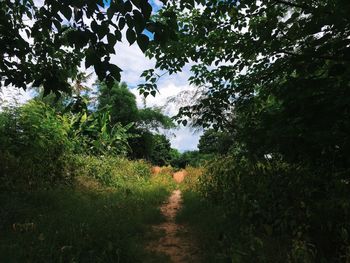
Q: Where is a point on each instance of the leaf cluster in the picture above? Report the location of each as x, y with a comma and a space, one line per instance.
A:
43, 44
34, 145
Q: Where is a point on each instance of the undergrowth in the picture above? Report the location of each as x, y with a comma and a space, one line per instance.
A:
102, 217
208, 226
267, 212
206, 219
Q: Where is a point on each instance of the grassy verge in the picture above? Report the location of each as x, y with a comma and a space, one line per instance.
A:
88, 222
207, 221
220, 234
207, 224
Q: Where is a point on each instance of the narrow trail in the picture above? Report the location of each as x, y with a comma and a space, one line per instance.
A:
176, 241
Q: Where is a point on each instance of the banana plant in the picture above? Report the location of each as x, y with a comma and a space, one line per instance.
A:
94, 133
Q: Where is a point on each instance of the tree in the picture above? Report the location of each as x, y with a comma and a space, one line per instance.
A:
144, 141
76, 102
161, 150
274, 75
215, 142
42, 44
154, 119
120, 101
275, 72
190, 158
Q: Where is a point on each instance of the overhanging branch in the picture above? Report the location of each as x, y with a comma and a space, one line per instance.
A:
292, 4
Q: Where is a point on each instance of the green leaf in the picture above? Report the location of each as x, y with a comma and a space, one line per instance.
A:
127, 6
121, 23
66, 11
57, 24
111, 10
112, 40
151, 27
94, 26
83, 118
146, 9
136, 3
143, 41
130, 36
115, 71
139, 21
103, 30
118, 35
119, 5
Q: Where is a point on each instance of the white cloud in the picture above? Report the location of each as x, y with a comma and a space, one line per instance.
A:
11, 96
186, 139
182, 138
133, 62
169, 89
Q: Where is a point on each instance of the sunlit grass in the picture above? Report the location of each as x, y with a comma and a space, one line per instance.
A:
87, 222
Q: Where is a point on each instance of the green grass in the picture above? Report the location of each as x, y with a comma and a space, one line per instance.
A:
219, 234
208, 226
88, 222
206, 220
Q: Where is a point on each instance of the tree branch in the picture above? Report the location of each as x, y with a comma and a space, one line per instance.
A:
326, 57
292, 4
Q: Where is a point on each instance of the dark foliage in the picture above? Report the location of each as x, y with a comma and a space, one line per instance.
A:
275, 77
214, 142
43, 44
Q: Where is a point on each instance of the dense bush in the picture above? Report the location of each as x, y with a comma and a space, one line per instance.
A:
110, 171
193, 175
190, 158
93, 133
33, 146
271, 204
38, 144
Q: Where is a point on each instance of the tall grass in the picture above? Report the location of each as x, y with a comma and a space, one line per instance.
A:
268, 212
57, 206
102, 217
204, 217
110, 171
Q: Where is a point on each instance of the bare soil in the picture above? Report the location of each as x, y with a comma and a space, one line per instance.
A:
176, 241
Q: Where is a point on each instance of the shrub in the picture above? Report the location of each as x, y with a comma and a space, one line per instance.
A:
168, 170
110, 171
271, 204
93, 133
192, 178
190, 158
33, 146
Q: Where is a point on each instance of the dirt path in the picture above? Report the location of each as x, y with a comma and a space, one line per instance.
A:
176, 242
